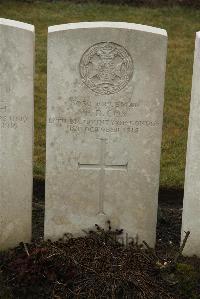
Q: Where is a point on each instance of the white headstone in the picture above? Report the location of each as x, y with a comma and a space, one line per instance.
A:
191, 202
104, 126
16, 131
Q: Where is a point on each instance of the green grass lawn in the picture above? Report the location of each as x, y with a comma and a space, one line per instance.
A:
181, 25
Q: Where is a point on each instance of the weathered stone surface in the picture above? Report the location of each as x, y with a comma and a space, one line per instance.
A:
16, 131
104, 126
191, 202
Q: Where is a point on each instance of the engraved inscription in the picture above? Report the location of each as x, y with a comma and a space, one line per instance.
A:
12, 121
93, 116
106, 68
106, 126
102, 107
102, 166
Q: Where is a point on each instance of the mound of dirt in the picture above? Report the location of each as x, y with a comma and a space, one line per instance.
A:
94, 266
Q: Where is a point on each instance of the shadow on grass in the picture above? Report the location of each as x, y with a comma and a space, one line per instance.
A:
38, 208
171, 197
38, 189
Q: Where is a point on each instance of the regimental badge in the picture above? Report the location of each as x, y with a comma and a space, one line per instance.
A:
106, 68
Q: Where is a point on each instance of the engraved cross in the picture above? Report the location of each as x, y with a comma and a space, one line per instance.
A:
102, 167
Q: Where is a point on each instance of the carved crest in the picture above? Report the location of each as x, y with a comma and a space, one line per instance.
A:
106, 68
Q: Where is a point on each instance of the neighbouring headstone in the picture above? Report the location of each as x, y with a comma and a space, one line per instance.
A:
16, 131
104, 126
191, 202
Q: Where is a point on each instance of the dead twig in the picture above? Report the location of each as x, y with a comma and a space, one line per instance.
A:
26, 249
179, 253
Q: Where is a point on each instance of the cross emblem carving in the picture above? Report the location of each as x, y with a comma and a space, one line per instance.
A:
102, 167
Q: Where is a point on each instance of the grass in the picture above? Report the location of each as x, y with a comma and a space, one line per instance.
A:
181, 25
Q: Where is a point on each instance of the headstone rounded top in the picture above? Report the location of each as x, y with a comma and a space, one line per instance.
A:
119, 25
17, 48
17, 24
104, 127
